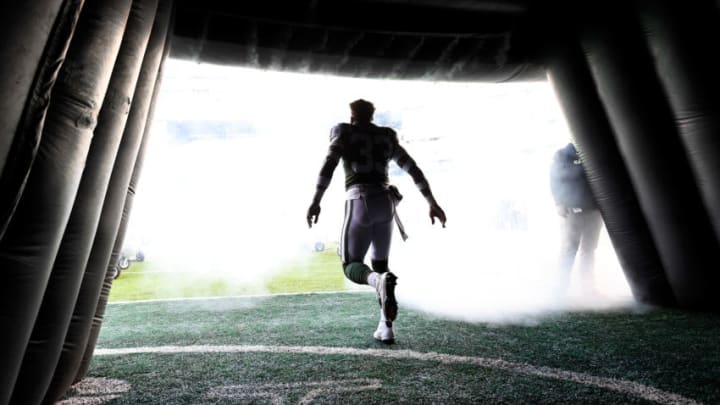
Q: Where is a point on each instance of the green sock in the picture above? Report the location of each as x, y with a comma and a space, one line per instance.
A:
357, 272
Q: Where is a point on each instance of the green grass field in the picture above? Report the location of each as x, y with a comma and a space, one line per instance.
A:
143, 281
319, 348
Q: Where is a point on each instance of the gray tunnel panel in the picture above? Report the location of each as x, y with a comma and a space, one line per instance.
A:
30, 244
223, 53
570, 75
364, 39
680, 38
21, 134
125, 219
648, 139
53, 320
78, 332
26, 29
120, 238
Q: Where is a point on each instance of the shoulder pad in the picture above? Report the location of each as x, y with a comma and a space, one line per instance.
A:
392, 134
338, 130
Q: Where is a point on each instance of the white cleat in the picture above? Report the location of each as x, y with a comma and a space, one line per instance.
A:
385, 332
386, 295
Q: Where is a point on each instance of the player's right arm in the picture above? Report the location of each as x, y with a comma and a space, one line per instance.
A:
408, 164
335, 151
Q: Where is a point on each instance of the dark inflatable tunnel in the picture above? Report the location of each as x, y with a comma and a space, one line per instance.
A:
53, 319
637, 81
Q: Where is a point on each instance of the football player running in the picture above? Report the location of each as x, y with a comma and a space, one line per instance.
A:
366, 150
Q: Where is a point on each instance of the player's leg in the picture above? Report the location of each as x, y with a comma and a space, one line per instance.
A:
569, 241
381, 211
355, 241
386, 280
590, 236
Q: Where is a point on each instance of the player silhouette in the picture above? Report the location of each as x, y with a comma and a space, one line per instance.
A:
366, 150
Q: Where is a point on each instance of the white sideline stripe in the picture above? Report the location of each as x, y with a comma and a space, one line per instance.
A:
229, 389
234, 296
622, 386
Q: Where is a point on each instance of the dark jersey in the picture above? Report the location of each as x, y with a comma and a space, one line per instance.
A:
366, 152
568, 182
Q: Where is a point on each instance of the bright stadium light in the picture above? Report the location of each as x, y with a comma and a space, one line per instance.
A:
235, 159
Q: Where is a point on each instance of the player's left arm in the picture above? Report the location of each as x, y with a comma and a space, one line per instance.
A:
408, 164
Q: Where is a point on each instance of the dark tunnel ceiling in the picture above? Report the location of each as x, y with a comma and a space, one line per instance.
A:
421, 39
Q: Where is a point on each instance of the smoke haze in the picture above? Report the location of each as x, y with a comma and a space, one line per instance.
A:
232, 201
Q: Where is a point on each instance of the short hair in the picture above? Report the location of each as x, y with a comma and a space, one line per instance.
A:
362, 110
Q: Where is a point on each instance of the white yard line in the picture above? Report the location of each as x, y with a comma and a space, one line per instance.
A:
613, 384
278, 392
236, 296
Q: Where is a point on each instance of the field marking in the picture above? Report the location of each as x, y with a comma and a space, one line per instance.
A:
339, 386
313, 389
96, 391
613, 384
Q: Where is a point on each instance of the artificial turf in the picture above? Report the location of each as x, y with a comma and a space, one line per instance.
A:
320, 271
673, 351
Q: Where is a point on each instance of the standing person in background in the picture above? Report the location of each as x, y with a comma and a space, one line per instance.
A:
366, 150
581, 219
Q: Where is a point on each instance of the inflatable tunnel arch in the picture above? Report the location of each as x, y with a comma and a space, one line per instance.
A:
637, 81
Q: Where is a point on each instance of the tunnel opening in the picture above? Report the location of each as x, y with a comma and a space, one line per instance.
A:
233, 160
